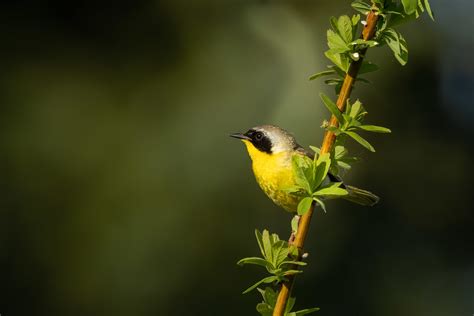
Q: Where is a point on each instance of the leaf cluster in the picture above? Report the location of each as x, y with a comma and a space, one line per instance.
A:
350, 122
269, 296
345, 46
311, 181
278, 258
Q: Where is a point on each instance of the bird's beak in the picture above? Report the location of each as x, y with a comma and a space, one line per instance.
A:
240, 136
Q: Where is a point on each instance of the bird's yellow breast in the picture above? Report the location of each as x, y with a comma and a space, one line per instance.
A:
274, 173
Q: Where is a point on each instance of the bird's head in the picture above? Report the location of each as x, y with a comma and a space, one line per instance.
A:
267, 139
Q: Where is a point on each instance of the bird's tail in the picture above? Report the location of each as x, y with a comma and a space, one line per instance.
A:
360, 196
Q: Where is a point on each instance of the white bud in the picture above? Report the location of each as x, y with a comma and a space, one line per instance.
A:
356, 55
305, 255
364, 23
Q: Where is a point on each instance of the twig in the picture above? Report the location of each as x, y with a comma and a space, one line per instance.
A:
329, 138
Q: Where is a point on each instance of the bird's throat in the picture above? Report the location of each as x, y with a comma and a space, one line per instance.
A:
274, 174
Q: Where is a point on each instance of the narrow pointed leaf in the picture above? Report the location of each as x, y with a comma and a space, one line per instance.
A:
267, 280
306, 311
428, 9
323, 164
360, 140
410, 6
332, 107
253, 260
331, 191
267, 245
259, 237
374, 128
289, 305
304, 205
361, 7
292, 272
298, 263
315, 149
321, 203
321, 74
368, 67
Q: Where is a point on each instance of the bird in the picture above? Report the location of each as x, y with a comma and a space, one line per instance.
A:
271, 149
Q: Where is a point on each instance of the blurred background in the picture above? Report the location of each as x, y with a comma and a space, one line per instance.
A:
122, 194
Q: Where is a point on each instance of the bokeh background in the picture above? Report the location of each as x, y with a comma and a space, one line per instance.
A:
122, 194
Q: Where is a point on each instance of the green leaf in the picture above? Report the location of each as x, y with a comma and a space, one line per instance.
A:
339, 60
367, 67
344, 26
374, 128
293, 190
355, 21
346, 162
315, 149
301, 167
332, 107
357, 111
336, 43
361, 41
304, 205
361, 7
322, 165
321, 74
339, 152
360, 140
266, 280
333, 22
333, 81
264, 309
343, 165
290, 304
403, 56
259, 237
339, 71
321, 203
292, 272
294, 224
280, 253
269, 296
363, 80
292, 262
334, 129
305, 311
410, 6
267, 245
397, 44
390, 37
428, 9
331, 191
253, 260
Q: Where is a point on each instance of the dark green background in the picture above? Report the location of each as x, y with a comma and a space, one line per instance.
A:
121, 193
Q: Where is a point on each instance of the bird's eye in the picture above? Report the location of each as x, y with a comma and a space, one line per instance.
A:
258, 136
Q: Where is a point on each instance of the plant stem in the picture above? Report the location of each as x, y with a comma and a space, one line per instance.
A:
329, 138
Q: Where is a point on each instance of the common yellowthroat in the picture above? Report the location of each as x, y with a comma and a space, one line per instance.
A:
271, 149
